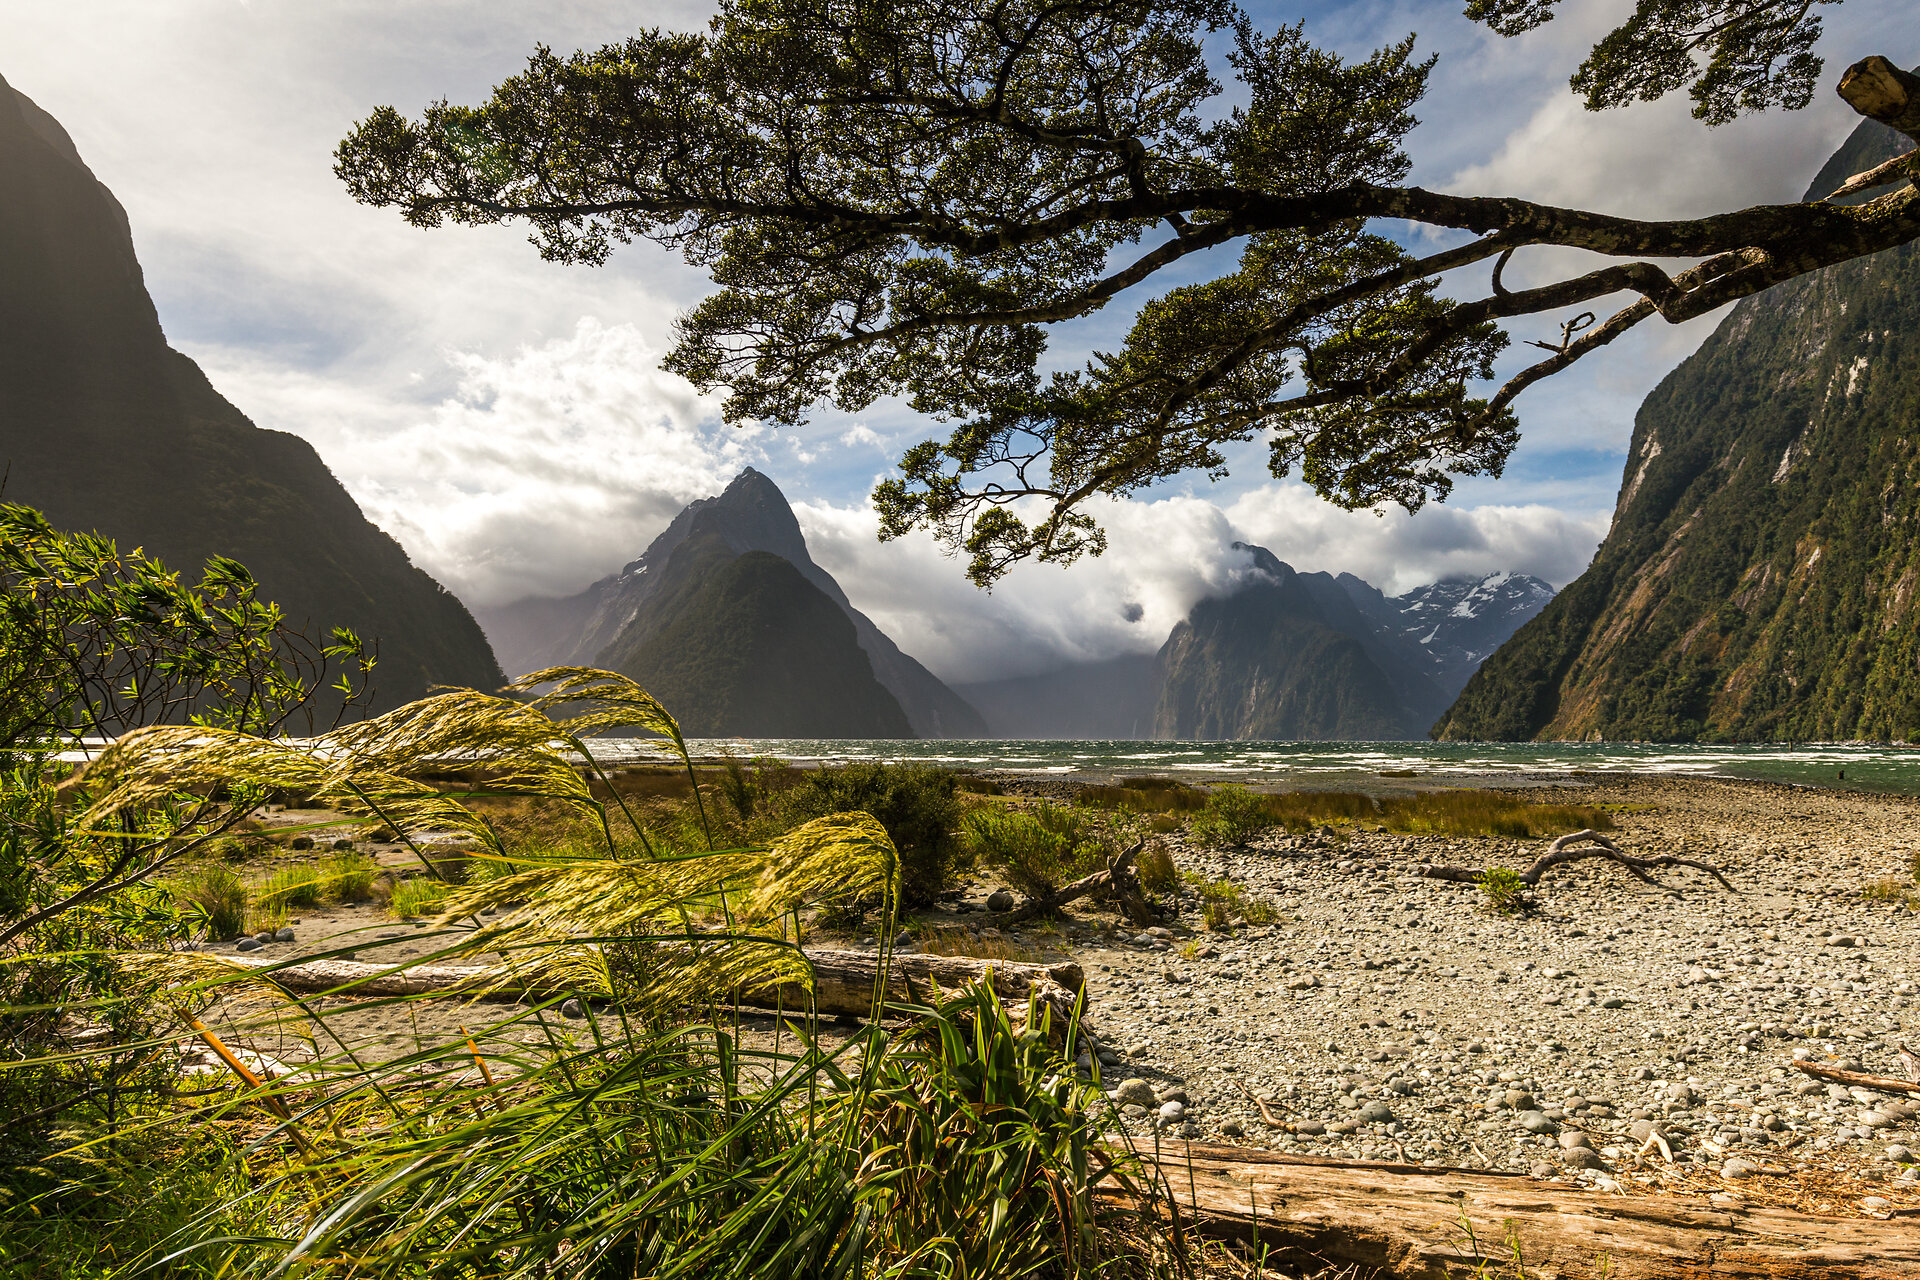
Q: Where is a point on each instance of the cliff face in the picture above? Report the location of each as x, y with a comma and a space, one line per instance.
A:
104, 427
750, 515
1758, 582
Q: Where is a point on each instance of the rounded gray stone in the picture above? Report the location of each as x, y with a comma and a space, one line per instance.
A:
1537, 1122
1899, 1154
1581, 1158
999, 900
1575, 1138
1680, 1092
1520, 1100
247, 944
1737, 1168
1312, 1128
1172, 1110
573, 1009
1376, 1112
1136, 1092
284, 934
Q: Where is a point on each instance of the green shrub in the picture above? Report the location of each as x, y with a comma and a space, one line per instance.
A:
1041, 848
349, 877
1506, 891
216, 899
915, 803
417, 897
1233, 817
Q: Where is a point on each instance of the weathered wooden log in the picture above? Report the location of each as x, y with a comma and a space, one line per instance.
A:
843, 980
1413, 1223
1886, 1084
1568, 849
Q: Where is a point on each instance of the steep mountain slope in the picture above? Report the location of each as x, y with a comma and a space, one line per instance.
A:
1268, 663
1111, 699
743, 645
1758, 581
750, 515
105, 427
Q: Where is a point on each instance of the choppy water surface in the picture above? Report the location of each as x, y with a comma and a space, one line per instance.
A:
1373, 765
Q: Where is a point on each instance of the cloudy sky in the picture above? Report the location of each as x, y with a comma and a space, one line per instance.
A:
506, 419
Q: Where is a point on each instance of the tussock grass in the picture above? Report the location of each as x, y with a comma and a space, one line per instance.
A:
958, 942
292, 887
1155, 871
1224, 904
1144, 795
1235, 815
215, 897
418, 896
349, 876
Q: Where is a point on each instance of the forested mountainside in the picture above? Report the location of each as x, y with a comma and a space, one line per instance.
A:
105, 427
1758, 580
604, 624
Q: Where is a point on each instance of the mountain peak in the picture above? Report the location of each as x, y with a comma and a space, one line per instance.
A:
1265, 562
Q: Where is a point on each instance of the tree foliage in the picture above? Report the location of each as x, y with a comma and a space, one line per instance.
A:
898, 200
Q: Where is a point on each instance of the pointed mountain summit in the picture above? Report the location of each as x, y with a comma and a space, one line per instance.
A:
617, 618
105, 427
1758, 583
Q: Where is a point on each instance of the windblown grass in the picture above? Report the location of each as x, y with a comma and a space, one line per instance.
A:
1144, 795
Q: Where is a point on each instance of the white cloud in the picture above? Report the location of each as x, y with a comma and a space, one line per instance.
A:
542, 470
1162, 557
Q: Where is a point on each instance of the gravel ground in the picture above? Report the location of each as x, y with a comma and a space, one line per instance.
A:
1392, 1016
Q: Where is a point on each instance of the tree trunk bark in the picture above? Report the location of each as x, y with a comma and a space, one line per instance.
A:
843, 980
1414, 1223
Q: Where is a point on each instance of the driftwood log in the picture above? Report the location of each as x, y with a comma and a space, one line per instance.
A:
843, 980
1413, 1222
1885, 1084
1116, 877
1578, 846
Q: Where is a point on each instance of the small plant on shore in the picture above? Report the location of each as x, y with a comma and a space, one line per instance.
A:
1506, 891
1161, 796
1224, 903
349, 877
1893, 889
292, 887
1233, 817
418, 896
215, 899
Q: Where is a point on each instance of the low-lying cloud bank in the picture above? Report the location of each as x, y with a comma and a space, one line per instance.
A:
1162, 558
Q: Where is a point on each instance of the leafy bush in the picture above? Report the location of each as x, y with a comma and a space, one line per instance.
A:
1506, 891
915, 803
1041, 848
216, 900
1233, 816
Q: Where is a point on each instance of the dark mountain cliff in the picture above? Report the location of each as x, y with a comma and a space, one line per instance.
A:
103, 426
750, 515
743, 645
1758, 581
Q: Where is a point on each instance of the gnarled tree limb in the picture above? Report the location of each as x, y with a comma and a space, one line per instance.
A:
1118, 875
1568, 848
1859, 1079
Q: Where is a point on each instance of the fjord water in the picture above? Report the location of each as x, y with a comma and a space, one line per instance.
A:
1354, 765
